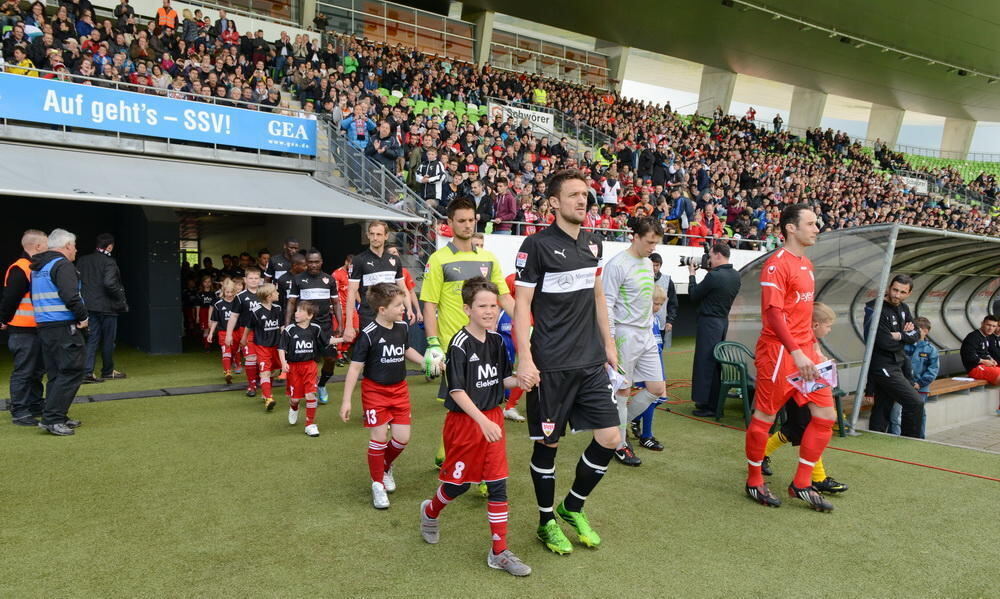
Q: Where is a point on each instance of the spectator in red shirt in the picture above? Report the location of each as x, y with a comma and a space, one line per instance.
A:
141, 76
697, 230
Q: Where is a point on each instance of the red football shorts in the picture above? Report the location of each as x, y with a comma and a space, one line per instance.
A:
237, 334
384, 404
469, 457
267, 357
301, 379
774, 366
990, 374
203, 317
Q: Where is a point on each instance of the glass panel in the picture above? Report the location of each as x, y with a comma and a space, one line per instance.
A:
576, 55
526, 43
337, 19
372, 27
398, 13
458, 48
502, 37
553, 49
596, 77
597, 60
430, 42
463, 29
396, 33
430, 21
371, 7
348, 4
500, 57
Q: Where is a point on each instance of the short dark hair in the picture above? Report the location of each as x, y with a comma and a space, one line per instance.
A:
291, 240
922, 322
790, 216
902, 280
555, 182
991, 318
721, 248
298, 257
474, 285
311, 251
656, 258
647, 225
380, 295
263, 251
460, 203
104, 240
309, 307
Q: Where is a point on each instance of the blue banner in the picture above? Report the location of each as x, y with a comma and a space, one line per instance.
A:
75, 105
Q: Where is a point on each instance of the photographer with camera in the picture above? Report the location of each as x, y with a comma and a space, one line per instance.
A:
714, 297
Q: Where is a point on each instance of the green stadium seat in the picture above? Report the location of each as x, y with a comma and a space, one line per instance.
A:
392, 100
383, 91
420, 106
448, 105
730, 356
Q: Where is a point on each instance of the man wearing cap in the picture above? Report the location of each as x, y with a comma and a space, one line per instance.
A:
17, 317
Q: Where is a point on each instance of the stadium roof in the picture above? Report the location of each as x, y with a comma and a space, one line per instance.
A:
124, 179
753, 42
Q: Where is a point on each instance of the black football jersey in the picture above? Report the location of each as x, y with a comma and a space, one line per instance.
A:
318, 289
478, 368
284, 285
266, 325
278, 266
221, 311
369, 270
303, 344
206, 299
244, 303
563, 272
383, 351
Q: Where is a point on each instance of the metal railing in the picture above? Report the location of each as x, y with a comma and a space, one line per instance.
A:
622, 233
374, 181
563, 125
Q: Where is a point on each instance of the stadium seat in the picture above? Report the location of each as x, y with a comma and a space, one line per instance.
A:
420, 106
730, 355
448, 105
392, 100
383, 91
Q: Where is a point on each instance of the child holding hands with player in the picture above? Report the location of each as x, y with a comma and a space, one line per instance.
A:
380, 352
477, 372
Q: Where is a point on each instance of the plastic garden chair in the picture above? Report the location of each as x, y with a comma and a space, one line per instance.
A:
731, 357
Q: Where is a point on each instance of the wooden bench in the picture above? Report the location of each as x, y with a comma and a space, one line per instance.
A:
948, 386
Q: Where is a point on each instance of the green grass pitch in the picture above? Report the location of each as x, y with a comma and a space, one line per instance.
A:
209, 496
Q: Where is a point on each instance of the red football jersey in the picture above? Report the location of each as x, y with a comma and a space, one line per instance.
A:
787, 283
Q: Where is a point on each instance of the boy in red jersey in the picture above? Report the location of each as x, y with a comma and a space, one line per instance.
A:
478, 371
380, 351
262, 335
787, 345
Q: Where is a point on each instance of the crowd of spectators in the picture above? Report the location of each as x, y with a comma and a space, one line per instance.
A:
724, 176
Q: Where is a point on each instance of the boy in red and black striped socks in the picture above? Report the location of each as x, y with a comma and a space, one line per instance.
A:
478, 370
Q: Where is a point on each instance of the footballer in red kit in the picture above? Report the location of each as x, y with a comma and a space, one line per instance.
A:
788, 346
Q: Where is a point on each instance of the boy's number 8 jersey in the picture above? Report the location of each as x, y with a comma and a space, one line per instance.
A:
478, 368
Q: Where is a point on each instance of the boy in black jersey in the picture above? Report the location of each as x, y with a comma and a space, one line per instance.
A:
206, 297
300, 345
244, 303
316, 286
478, 370
222, 309
381, 351
264, 327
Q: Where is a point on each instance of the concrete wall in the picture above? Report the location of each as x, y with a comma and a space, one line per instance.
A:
957, 137
807, 108
716, 89
884, 122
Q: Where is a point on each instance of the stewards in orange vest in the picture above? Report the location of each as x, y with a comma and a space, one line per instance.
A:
166, 16
17, 317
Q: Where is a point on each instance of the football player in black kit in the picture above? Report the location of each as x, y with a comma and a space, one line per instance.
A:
372, 266
318, 287
563, 360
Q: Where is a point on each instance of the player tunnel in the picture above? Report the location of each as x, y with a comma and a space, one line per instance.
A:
956, 279
162, 211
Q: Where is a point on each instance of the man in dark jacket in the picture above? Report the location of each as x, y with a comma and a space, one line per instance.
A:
60, 316
17, 317
430, 176
105, 299
981, 354
714, 297
383, 148
887, 375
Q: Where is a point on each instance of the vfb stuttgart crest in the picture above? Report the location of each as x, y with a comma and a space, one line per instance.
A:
593, 249
548, 427
485, 270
